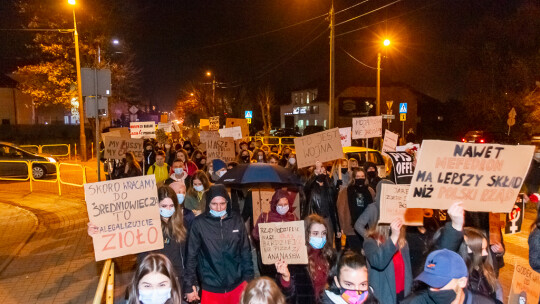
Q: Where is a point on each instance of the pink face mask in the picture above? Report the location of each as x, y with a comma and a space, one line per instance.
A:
354, 296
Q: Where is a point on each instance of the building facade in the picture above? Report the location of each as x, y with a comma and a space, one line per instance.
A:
305, 109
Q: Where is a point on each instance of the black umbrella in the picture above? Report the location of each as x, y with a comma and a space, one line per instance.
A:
259, 174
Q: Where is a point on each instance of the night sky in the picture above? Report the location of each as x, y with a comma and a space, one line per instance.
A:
177, 41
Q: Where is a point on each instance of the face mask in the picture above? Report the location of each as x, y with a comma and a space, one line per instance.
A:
344, 170
154, 296
282, 209
359, 182
221, 173
180, 197
166, 213
317, 242
442, 296
245, 158
353, 296
371, 174
320, 178
198, 188
261, 157
218, 214
292, 161
178, 171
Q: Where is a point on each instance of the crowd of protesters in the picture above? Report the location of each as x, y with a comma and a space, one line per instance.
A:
212, 255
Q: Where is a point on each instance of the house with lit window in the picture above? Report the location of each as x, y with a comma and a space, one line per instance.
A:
305, 109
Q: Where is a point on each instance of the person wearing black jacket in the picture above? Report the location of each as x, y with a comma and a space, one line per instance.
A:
372, 174
219, 249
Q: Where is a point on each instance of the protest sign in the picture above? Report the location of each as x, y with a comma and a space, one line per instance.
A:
116, 147
394, 204
514, 219
126, 212
345, 134
322, 146
495, 225
485, 177
234, 132
218, 147
367, 127
204, 123
402, 166
192, 135
390, 141
124, 132
144, 129
283, 241
261, 202
165, 126
214, 123
525, 285
238, 122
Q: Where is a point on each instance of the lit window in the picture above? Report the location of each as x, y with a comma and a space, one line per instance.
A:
307, 122
301, 124
307, 98
325, 123
315, 122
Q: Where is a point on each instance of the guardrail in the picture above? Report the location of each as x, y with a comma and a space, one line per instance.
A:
39, 149
45, 172
28, 172
106, 278
83, 170
274, 140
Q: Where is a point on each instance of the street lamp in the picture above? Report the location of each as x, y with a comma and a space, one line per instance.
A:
385, 43
213, 88
82, 135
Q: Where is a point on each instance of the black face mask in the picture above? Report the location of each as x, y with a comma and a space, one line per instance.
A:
344, 170
245, 158
442, 296
359, 182
320, 178
371, 174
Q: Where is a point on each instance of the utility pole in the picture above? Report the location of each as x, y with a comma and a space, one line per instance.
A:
378, 110
332, 65
82, 135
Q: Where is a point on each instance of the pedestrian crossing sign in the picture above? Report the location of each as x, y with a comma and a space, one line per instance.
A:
403, 107
402, 117
249, 114
248, 120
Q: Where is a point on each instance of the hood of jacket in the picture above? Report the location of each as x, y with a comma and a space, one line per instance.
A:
214, 191
279, 194
367, 165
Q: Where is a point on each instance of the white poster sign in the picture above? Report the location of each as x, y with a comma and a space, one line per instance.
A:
234, 132
144, 129
345, 133
366, 127
390, 141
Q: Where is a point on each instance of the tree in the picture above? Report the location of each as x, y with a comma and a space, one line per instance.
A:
265, 100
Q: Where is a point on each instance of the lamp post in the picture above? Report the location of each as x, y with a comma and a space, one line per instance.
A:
385, 43
332, 66
82, 135
213, 87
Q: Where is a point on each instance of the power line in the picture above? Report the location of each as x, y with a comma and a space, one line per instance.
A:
357, 59
392, 18
348, 8
377, 9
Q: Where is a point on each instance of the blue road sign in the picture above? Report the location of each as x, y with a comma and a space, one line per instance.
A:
249, 114
403, 108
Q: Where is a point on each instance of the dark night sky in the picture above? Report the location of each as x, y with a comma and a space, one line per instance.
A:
173, 39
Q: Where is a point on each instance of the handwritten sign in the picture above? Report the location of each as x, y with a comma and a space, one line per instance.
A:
402, 166
124, 132
126, 212
146, 129
218, 147
214, 123
345, 134
485, 177
165, 126
393, 205
283, 241
366, 127
193, 135
234, 132
116, 147
390, 141
238, 122
525, 285
322, 146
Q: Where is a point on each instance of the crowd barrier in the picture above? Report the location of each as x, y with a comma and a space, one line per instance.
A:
56, 150
106, 279
273, 140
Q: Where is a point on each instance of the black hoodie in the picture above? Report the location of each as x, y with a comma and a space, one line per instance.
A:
219, 247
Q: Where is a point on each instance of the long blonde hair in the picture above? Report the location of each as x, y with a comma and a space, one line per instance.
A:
381, 233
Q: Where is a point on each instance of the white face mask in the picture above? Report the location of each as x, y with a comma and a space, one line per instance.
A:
154, 296
198, 188
282, 209
221, 173
292, 161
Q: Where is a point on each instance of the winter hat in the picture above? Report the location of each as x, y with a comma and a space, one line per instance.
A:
217, 190
534, 198
218, 164
442, 266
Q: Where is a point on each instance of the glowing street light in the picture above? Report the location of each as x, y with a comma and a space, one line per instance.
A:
386, 43
213, 87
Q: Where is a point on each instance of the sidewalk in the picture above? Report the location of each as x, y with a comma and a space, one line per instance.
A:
56, 263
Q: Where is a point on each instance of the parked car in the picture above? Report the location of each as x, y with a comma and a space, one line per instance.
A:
363, 154
10, 152
477, 137
313, 129
286, 132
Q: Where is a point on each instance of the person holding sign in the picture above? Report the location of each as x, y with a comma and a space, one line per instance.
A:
155, 282
534, 242
349, 283
132, 167
219, 251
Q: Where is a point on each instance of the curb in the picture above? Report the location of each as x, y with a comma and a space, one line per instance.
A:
4, 264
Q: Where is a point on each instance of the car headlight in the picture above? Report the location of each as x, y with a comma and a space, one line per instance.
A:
52, 160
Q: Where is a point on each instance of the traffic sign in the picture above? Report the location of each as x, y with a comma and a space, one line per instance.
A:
389, 104
403, 107
248, 120
402, 117
388, 116
249, 114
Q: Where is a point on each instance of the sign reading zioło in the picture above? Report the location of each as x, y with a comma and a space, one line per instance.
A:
322, 146
126, 212
485, 177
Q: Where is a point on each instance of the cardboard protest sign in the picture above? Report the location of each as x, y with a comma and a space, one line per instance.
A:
366, 127
126, 212
238, 122
495, 225
394, 204
165, 126
390, 141
261, 204
204, 123
322, 146
234, 132
346, 140
485, 177
514, 219
192, 135
143, 129
116, 147
124, 132
214, 123
525, 285
402, 166
218, 147
283, 241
